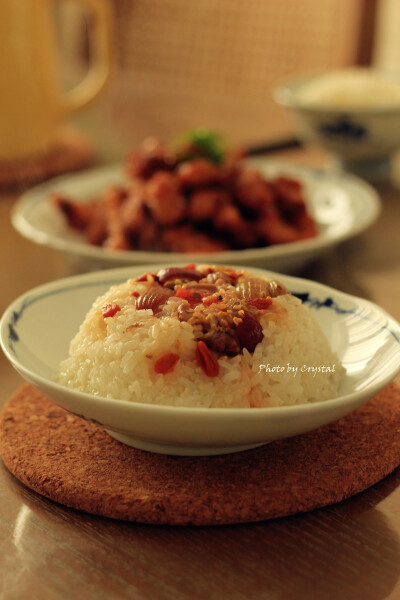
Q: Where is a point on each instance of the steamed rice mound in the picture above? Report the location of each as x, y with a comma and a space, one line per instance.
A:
115, 357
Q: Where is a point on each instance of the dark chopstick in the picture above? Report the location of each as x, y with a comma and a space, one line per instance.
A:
277, 146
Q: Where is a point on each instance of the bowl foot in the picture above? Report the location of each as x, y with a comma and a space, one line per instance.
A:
178, 450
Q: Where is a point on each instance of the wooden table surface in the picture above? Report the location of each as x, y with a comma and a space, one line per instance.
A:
347, 551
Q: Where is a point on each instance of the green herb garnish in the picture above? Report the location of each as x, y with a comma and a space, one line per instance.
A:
201, 143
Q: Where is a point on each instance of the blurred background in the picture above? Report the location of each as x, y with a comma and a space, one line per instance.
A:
85, 81
178, 65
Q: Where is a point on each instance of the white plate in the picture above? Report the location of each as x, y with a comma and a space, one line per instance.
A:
342, 205
36, 329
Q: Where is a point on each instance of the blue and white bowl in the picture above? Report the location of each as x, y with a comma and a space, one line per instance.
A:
36, 330
367, 134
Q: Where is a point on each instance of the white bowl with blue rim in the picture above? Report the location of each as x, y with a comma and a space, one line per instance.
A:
36, 329
363, 130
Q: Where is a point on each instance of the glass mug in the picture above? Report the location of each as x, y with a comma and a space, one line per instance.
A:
32, 105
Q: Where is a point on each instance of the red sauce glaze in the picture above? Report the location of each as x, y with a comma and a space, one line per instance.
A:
206, 360
166, 364
261, 303
110, 309
191, 296
144, 277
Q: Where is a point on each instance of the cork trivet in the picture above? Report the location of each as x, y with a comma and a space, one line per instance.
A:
77, 464
72, 151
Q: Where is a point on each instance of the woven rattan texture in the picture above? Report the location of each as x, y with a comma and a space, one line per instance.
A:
215, 63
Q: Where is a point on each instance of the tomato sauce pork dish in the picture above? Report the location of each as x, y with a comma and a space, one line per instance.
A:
202, 336
194, 199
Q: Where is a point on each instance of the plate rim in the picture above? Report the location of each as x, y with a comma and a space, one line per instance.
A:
82, 249
117, 274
